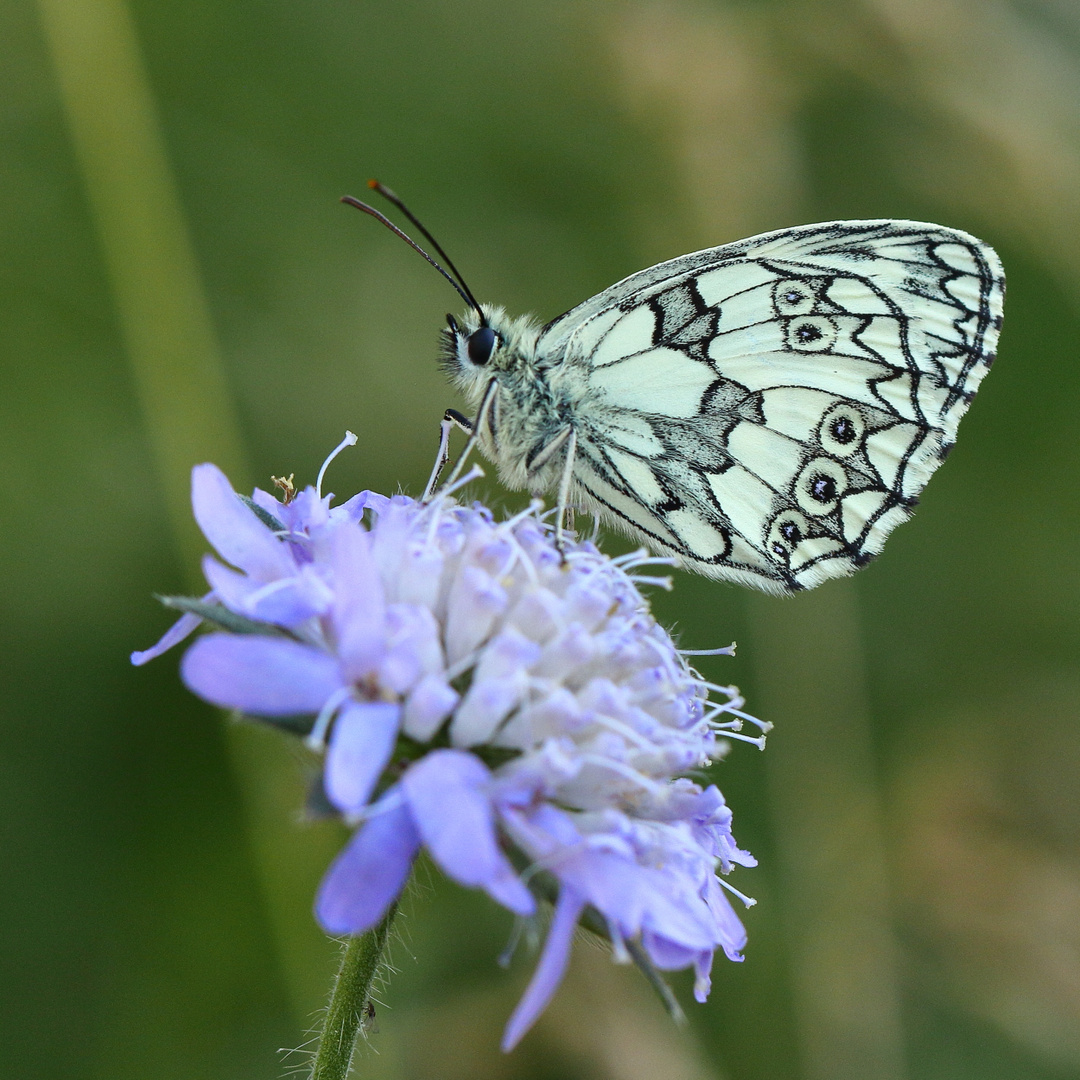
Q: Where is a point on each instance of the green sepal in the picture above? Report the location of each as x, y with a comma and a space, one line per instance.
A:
264, 516
220, 615
317, 805
656, 981
296, 724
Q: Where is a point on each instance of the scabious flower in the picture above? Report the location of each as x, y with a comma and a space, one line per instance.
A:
513, 708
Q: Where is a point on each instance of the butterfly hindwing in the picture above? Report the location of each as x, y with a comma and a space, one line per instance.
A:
770, 410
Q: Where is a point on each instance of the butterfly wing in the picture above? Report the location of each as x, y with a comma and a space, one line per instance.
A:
770, 410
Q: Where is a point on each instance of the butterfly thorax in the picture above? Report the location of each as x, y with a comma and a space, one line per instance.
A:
535, 399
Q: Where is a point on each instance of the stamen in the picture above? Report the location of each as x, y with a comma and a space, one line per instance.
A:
317, 739
719, 709
665, 583
532, 508
438, 502
349, 440
511, 946
390, 801
730, 725
727, 650
522, 559
253, 599
473, 474
625, 730
749, 901
642, 557
759, 742
761, 725
626, 771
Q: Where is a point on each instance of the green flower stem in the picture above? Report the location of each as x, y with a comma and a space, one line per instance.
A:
349, 1001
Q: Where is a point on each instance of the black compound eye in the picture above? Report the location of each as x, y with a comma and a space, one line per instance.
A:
481, 345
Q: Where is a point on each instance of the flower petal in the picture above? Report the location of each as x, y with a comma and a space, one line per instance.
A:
287, 601
237, 535
370, 873
360, 746
446, 790
263, 676
431, 702
359, 610
550, 969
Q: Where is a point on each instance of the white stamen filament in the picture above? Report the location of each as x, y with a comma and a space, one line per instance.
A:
317, 739
625, 771
726, 650
349, 440
759, 741
665, 583
749, 901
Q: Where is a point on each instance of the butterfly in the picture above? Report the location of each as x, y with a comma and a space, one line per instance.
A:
765, 412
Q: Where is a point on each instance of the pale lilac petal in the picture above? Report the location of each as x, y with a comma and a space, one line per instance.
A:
427, 707
509, 653
285, 602
702, 976
360, 746
485, 707
359, 610
182, 628
265, 501
419, 576
550, 969
668, 955
290, 602
730, 932
413, 649
237, 535
263, 676
370, 873
447, 792
307, 511
230, 586
476, 600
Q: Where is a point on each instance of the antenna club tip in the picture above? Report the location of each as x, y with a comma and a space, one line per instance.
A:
374, 185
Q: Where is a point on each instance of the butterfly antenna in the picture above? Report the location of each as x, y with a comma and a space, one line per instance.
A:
463, 293
393, 197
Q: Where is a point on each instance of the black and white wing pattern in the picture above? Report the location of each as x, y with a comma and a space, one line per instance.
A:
770, 410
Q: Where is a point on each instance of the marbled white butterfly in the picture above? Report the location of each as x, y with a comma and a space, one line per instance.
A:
766, 411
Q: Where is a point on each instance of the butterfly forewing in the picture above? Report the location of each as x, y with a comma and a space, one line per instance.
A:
770, 410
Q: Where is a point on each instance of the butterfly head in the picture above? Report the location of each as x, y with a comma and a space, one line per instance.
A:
481, 345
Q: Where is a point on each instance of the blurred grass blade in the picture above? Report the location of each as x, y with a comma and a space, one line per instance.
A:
184, 396
163, 314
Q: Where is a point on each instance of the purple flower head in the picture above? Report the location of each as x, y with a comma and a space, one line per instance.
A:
474, 690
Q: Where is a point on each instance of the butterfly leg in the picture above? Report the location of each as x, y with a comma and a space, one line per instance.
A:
562, 511
451, 419
568, 437
476, 427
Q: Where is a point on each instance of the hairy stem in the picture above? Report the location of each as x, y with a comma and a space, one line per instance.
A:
350, 1000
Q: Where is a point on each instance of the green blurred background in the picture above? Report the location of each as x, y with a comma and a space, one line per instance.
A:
179, 282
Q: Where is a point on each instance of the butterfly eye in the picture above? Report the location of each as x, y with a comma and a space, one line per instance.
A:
481, 345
